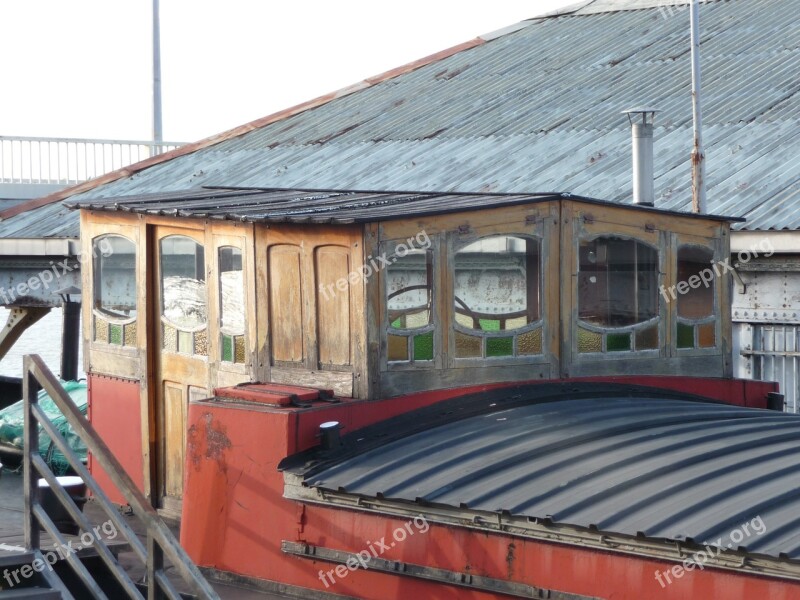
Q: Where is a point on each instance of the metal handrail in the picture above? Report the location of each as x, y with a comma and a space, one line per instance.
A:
161, 543
62, 161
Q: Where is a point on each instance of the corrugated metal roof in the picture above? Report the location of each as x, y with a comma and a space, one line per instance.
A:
638, 465
318, 206
50, 221
539, 109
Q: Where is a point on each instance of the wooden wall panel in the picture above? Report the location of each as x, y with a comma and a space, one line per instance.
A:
175, 437
285, 303
332, 264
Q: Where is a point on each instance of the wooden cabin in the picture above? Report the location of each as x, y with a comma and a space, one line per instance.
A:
378, 295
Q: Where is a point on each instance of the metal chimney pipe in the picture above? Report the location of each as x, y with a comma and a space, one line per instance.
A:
642, 120
158, 135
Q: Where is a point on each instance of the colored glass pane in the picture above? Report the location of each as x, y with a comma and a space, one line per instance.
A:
499, 346
685, 336
530, 342
589, 341
238, 349
115, 334
100, 330
706, 335
130, 334
398, 348
468, 346
201, 343
618, 342
423, 346
227, 348
647, 339
170, 335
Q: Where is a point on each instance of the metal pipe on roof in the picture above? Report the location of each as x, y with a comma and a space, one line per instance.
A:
642, 146
698, 152
158, 134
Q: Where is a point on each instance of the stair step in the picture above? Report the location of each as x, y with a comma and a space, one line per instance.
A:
16, 560
34, 592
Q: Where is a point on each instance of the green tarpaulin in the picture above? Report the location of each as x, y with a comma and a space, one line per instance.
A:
12, 419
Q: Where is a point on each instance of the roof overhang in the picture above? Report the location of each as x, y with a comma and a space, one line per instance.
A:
328, 206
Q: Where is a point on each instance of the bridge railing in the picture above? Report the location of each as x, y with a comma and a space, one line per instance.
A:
66, 161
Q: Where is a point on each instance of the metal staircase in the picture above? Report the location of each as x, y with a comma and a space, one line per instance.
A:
71, 578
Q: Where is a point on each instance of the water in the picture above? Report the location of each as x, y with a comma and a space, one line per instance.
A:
44, 339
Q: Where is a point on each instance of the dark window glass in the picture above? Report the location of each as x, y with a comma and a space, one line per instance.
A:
696, 278
115, 276
617, 282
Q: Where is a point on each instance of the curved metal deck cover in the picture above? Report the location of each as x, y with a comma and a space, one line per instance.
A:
662, 468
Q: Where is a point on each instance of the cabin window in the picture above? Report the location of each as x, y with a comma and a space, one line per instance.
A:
695, 295
183, 296
497, 299
409, 302
114, 269
618, 306
232, 304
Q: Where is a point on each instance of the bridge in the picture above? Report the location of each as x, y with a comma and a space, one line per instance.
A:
39, 243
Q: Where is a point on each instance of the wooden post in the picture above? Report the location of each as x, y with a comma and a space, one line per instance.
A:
30, 391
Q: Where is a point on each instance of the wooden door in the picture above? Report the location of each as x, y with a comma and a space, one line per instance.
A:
181, 350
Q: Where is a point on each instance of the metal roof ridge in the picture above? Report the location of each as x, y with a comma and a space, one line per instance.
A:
594, 7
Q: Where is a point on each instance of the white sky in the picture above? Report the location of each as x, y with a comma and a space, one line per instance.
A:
82, 68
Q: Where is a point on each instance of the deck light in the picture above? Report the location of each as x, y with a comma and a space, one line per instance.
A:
329, 435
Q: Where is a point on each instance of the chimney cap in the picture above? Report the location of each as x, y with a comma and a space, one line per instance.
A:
648, 114
641, 109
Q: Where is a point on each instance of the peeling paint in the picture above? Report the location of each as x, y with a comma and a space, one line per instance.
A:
207, 442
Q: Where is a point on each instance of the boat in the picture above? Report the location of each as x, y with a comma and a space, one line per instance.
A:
388, 394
